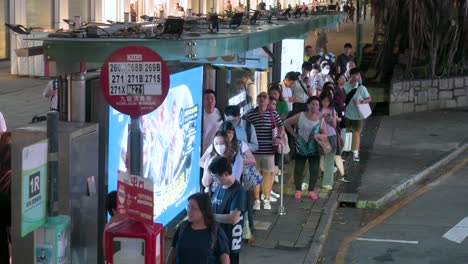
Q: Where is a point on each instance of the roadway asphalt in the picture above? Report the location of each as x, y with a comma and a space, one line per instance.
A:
430, 225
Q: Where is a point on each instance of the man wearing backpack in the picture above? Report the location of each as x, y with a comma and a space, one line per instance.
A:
228, 203
245, 131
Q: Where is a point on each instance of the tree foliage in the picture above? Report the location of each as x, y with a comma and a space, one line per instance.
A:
422, 33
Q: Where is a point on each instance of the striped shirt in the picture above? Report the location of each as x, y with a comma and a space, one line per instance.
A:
263, 128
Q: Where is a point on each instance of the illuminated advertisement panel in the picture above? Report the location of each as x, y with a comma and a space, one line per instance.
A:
292, 56
171, 145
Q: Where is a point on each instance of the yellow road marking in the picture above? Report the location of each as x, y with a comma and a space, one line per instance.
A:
344, 245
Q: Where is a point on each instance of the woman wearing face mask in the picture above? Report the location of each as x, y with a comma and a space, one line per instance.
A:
247, 158
306, 128
222, 147
323, 77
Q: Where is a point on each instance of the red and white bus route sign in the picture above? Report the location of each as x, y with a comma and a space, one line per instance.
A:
134, 80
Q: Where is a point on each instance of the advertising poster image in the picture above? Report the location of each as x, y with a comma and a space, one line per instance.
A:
171, 145
292, 55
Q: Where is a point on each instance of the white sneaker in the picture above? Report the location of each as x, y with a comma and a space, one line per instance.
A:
356, 156
276, 195
266, 205
335, 169
272, 198
276, 179
256, 205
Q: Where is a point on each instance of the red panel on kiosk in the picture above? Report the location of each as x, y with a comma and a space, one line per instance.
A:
134, 80
135, 198
135, 242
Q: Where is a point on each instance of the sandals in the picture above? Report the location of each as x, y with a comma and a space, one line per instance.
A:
313, 195
297, 195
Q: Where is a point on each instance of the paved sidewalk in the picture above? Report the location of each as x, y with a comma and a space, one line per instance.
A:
20, 97
408, 147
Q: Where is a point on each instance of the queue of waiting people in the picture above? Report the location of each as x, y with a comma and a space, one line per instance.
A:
309, 114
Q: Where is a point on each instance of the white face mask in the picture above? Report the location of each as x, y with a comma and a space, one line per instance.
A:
221, 149
326, 71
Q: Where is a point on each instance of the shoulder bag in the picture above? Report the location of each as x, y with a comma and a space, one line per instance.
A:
323, 145
250, 177
364, 109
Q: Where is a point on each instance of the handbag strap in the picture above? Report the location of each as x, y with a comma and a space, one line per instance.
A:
302, 86
273, 121
350, 95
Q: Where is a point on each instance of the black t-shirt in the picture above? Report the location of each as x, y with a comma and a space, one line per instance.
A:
226, 200
342, 60
195, 246
5, 222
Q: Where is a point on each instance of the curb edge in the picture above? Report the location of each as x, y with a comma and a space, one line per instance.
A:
419, 176
323, 228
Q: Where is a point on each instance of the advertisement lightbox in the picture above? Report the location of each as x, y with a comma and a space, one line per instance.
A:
171, 145
292, 55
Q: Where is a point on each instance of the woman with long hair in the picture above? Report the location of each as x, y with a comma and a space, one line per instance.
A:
306, 128
199, 239
237, 146
222, 147
274, 90
330, 116
247, 159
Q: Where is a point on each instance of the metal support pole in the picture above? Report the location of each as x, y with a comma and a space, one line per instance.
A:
136, 147
359, 32
281, 210
52, 163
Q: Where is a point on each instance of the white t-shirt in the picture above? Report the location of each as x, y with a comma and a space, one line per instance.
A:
3, 127
287, 92
211, 124
298, 91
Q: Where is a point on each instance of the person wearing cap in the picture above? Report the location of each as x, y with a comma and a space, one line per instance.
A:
286, 85
245, 131
330, 58
264, 119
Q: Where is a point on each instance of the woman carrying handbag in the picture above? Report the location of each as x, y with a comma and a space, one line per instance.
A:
306, 129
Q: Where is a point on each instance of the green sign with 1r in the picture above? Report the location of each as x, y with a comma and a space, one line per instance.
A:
33, 187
